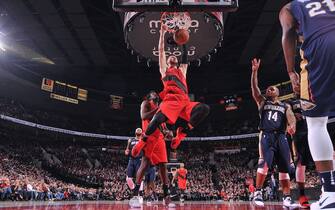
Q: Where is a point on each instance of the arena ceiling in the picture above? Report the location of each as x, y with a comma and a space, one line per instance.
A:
84, 39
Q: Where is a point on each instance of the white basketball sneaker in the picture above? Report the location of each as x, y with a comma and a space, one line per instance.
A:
258, 199
288, 203
136, 202
326, 202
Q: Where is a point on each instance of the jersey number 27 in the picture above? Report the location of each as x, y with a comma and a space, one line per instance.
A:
315, 8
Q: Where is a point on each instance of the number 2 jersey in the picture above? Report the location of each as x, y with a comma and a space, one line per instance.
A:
316, 23
273, 117
315, 18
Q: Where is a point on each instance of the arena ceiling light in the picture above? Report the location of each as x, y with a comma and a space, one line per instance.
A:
14, 48
2, 45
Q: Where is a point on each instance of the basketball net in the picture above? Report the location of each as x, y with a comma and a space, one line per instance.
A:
176, 20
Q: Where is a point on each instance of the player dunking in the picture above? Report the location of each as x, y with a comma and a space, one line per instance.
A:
274, 117
154, 151
175, 101
315, 21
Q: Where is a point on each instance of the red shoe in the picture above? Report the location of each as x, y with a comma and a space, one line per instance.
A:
179, 137
304, 202
138, 148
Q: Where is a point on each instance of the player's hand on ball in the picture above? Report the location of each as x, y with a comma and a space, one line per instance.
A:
255, 63
295, 80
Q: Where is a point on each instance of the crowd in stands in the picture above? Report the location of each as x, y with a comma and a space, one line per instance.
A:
41, 170
21, 180
34, 167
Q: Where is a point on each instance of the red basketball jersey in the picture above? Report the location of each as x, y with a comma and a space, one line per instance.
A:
182, 174
182, 178
174, 81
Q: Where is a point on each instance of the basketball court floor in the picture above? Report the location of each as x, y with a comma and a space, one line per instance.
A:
123, 205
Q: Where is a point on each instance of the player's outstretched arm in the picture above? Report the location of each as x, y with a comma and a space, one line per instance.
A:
291, 121
146, 113
256, 92
161, 50
184, 63
289, 43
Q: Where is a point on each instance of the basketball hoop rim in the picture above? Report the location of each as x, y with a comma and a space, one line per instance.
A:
163, 14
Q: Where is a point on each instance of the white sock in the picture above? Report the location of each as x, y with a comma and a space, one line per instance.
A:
319, 141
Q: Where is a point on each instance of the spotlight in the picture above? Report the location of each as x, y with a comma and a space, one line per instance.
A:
2, 47
208, 58
2, 44
142, 19
206, 18
130, 27
128, 46
149, 63
198, 62
138, 58
217, 27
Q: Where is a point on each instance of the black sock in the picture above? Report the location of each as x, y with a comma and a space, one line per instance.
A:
136, 189
328, 181
302, 191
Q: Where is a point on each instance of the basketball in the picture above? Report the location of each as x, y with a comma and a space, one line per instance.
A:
181, 36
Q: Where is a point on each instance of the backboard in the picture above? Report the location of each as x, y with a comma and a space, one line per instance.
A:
175, 5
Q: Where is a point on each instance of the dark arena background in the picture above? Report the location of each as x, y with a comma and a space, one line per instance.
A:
73, 75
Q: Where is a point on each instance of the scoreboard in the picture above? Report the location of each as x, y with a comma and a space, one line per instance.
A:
64, 92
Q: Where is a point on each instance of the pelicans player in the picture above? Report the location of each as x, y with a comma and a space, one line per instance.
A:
275, 118
315, 21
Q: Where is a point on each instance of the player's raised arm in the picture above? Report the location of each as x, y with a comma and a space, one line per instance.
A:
184, 63
289, 43
146, 112
256, 92
161, 50
291, 121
